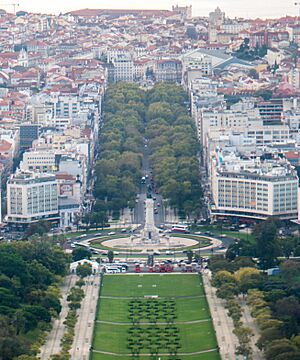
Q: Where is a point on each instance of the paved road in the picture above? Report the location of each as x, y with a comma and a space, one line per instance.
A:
222, 322
85, 321
139, 214
52, 345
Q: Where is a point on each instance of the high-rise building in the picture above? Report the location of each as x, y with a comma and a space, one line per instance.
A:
271, 111
253, 188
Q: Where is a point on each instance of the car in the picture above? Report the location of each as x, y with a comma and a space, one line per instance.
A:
155, 211
111, 233
158, 204
73, 246
156, 252
154, 198
198, 233
123, 230
98, 234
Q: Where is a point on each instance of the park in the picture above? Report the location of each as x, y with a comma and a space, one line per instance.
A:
155, 316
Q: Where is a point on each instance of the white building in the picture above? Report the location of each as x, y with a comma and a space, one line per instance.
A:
294, 78
31, 197
252, 188
95, 266
223, 120
196, 67
39, 161
123, 68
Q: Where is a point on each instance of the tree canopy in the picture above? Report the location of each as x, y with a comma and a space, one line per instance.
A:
29, 272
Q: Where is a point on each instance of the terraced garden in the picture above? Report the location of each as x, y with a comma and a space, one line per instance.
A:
147, 317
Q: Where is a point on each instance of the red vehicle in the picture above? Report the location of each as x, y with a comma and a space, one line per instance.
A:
137, 268
150, 269
156, 268
169, 268
189, 268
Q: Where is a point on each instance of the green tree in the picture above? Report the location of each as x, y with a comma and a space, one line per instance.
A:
267, 247
110, 256
190, 255
279, 347
80, 253
84, 270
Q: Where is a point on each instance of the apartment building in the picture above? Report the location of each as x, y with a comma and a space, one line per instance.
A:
39, 161
169, 70
223, 120
123, 67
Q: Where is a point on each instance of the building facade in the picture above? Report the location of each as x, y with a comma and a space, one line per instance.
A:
31, 197
252, 188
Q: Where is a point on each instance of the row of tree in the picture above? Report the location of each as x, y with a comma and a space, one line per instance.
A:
161, 116
29, 294
118, 171
174, 148
274, 304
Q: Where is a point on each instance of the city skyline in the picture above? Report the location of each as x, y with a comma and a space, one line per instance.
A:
231, 7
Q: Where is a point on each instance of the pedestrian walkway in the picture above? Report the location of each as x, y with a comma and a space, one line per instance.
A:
222, 322
52, 345
248, 321
86, 319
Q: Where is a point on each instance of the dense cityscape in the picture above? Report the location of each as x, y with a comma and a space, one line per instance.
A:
149, 200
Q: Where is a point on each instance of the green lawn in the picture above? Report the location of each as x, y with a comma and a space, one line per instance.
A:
162, 285
214, 355
115, 310
192, 309
182, 295
113, 338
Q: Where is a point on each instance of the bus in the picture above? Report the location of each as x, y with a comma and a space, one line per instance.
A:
181, 228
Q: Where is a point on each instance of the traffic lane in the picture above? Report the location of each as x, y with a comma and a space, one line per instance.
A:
158, 205
139, 210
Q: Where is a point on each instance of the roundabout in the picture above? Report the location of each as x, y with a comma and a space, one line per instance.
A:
136, 243
151, 239
176, 243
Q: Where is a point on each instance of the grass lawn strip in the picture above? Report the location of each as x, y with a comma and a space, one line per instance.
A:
207, 355
190, 309
161, 285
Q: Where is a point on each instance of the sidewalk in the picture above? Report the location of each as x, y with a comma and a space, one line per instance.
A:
249, 322
86, 319
52, 345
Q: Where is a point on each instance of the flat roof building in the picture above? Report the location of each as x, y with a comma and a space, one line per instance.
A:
31, 197
253, 188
